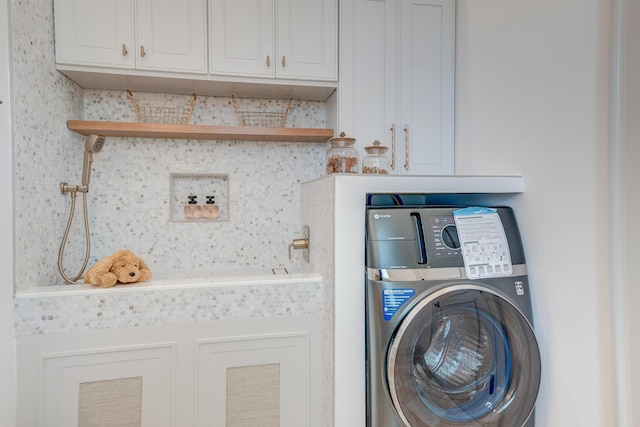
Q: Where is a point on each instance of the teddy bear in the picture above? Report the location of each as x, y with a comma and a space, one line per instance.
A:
121, 267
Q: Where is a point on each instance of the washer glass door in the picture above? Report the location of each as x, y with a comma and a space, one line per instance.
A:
464, 356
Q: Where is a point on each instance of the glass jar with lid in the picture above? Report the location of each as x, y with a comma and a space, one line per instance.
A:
376, 162
342, 156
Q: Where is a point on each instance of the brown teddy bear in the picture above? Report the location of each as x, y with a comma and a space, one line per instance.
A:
122, 267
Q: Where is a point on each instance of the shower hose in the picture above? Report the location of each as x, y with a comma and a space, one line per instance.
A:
66, 236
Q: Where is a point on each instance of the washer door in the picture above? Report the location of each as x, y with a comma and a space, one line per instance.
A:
464, 356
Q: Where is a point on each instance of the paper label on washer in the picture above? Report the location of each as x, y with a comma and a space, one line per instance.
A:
393, 299
484, 245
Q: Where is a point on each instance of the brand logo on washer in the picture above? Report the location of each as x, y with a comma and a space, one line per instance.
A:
378, 216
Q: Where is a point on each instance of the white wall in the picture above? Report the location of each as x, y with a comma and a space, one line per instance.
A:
531, 99
632, 198
626, 203
7, 342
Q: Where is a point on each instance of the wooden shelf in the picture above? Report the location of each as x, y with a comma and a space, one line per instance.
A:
222, 133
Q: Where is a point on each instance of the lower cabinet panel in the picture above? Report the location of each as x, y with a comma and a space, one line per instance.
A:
256, 381
253, 396
234, 373
111, 402
123, 387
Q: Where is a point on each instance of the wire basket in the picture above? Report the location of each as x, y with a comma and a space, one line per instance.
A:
258, 118
161, 114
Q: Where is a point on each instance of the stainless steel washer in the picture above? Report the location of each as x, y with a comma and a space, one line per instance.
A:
444, 350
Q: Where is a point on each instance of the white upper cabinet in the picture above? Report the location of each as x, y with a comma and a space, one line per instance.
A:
397, 77
247, 48
95, 32
161, 35
172, 35
290, 39
241, 37
426, 82
307, 39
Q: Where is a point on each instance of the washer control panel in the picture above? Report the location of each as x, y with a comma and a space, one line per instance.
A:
418, 237
444, 234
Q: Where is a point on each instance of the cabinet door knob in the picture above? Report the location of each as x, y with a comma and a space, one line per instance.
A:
393, 146
268, 61
283, 61
142, 52
406, 147
125, 52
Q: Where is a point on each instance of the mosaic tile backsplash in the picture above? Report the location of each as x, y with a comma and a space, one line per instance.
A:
130, 191
129, 198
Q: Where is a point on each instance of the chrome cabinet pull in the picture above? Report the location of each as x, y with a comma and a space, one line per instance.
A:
125, 52
406, 147
283, 61
142, 52
393, 146
268, 61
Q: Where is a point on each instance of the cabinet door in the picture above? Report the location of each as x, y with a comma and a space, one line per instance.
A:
171, 35
241, 39
94, 32
307, 39
426, 60
260, 380
368, 70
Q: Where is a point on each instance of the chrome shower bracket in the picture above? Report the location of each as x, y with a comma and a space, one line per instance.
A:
302, 243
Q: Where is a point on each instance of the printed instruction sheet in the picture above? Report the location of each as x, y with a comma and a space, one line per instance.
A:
484, 245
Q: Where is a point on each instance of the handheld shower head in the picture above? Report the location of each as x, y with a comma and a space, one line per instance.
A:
92, 144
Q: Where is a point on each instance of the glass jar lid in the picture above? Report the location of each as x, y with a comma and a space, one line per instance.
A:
342, 140
376, 148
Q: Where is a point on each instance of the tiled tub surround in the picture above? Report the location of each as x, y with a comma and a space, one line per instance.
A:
261, 294
129, 204
129, 199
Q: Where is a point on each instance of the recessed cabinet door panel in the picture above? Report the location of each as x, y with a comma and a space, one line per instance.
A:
370, 67
307, 39
254, 381
172, 35
83, 39
426, 87
241, 37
